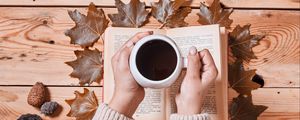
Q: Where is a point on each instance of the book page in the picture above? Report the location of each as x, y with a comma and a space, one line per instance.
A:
203, 37
152, 107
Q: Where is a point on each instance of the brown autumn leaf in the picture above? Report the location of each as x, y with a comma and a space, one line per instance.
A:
177, 19
133, 14
241, 80
242, 108
88, 67
215, 14
87, 29
83, 106
241, 42
170, 13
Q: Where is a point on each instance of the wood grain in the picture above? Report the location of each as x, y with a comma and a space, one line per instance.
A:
279, 116
278, 54
33, 48
27, 55
274, 4
12, 109
277, 100
282, 106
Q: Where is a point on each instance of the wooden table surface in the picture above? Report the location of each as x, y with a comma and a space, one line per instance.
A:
28, 26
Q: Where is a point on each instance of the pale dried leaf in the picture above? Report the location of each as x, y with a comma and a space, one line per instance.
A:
133, 14
83, 106
87, 29
170, 13
88, 67
215, 14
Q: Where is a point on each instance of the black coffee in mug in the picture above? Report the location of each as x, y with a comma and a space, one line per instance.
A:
156, 60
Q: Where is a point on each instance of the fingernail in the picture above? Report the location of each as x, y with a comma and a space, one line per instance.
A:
193, 50
150, 32
129, 44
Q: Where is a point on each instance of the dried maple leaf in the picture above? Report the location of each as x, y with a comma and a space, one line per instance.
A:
215, 14
83, 106
169, 12
241, 42
242, 108
88, 29
88, 67
241, 80
133, 14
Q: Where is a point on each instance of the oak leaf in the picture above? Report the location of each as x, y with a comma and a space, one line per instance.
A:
241, 42
215, 14
133, 14
170, 13
88, 67
83, 106
241, 80
87, 29
242, 108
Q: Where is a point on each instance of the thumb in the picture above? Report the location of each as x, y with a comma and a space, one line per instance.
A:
194, 64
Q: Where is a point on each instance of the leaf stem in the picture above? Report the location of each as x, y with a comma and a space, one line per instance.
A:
161, 26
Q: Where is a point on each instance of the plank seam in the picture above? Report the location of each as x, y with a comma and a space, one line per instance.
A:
84, 6
48, 86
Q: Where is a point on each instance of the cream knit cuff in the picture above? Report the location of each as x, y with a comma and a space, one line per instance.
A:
106, 113
203, 116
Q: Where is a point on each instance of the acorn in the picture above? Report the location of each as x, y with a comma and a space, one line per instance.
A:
37, 95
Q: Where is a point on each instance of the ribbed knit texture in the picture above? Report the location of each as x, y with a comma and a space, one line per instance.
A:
106, 113
190, 117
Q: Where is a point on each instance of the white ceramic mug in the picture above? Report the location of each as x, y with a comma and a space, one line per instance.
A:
147, 83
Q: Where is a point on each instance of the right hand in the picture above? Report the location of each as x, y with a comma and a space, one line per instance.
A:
201, 71
128, 94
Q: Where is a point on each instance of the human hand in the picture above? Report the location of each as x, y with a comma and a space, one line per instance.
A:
201, 71
128, 94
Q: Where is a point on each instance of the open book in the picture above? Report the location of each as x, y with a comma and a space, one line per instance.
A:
160, 103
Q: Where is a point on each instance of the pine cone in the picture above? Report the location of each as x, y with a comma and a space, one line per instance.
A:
29, 117
37, 95
49, 108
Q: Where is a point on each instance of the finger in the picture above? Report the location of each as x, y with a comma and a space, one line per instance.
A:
206, 59
124, 56
194, 64
209, 68
139, 36
133, 40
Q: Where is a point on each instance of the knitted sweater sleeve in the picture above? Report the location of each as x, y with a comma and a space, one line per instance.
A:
105, 113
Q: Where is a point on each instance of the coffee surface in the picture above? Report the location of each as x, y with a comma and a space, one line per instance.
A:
156, 60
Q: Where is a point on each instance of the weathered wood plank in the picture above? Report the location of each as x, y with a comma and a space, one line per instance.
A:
13, 101
279, 116
280, 4
277, 99
279, 52
29, 31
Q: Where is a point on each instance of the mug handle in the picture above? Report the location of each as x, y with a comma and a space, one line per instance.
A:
185, 62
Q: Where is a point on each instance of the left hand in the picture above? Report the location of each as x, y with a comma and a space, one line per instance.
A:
128, 94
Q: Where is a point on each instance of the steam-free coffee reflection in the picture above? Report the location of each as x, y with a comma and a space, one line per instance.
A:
156, 60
